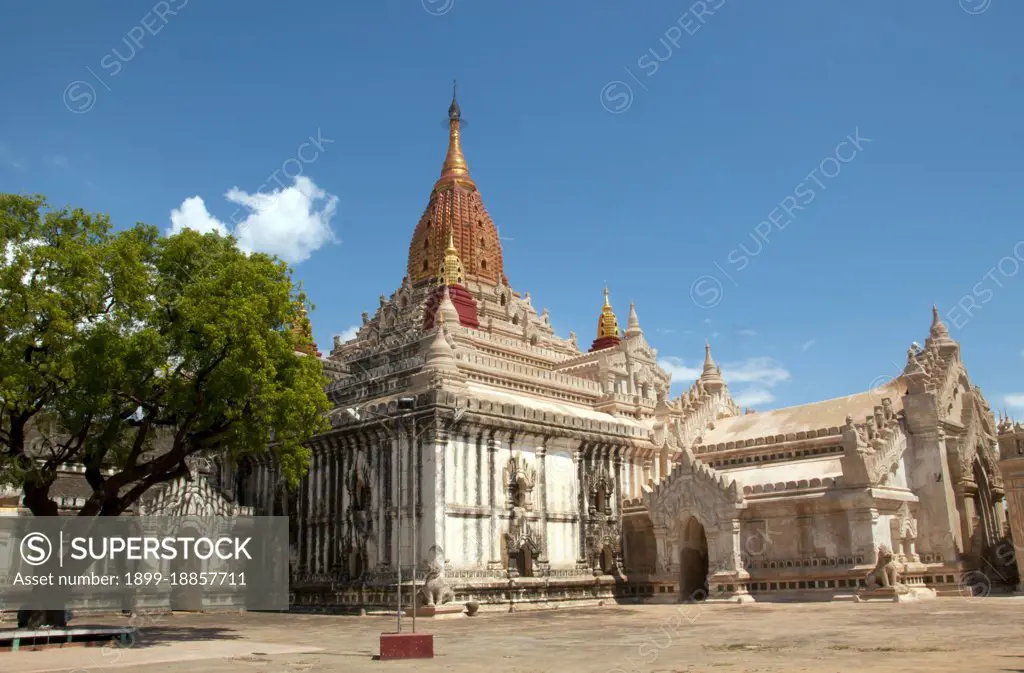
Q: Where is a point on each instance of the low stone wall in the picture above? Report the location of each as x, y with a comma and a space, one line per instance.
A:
493, 594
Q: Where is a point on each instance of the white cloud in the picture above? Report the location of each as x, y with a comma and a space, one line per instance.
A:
349, 333
291, 222
192, 214
679, 371
707, 321
762, 370
1015, 400
752, 397
807, 345
60, 161
747, 332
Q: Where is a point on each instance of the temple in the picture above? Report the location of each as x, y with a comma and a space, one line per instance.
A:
535, 473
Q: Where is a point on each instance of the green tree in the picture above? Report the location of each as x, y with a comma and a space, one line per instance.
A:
126, 352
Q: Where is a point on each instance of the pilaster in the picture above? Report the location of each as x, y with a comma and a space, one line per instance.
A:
494, 561
381, 497
395, 506
542, 501
579, 462
939, 523
435, 506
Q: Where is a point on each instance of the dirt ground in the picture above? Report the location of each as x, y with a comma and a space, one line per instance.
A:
946, 634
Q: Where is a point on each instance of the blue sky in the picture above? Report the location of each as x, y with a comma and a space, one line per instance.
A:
638, 144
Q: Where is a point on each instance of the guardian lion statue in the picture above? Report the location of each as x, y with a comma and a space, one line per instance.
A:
886, 574
435, 591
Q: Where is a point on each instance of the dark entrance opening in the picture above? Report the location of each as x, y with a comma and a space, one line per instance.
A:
524, 562
607, 561
693, 562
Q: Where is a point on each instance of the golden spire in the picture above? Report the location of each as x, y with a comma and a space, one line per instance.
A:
455, 168
303, 329
451, 266
607, 324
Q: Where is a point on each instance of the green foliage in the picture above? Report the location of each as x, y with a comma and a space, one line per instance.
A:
131, 350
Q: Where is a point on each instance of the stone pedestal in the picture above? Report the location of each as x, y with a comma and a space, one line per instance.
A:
902, 594
437, 611
406, 646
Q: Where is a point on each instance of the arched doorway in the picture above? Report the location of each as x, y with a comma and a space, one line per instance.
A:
607, 561
693, 562
524, 562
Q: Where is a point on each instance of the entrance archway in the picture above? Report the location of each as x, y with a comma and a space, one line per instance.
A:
524, 562
693, 562
186, 595
607, 561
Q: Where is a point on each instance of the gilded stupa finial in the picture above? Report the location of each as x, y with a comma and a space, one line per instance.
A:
607, 324
607, 327
455, 170
303, 329
451, 266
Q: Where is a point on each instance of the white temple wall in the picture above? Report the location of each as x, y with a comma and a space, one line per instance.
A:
561, 482
783, 535
466, 540
881, 532
466, 480
563, 539
795, 470
898, 479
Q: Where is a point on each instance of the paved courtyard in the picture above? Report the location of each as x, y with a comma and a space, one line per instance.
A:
947, 634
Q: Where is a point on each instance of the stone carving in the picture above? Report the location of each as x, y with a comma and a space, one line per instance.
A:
521, 534
435, 590
904, 530
873, 450
605, 534
886, 573
520, 478
600, 488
